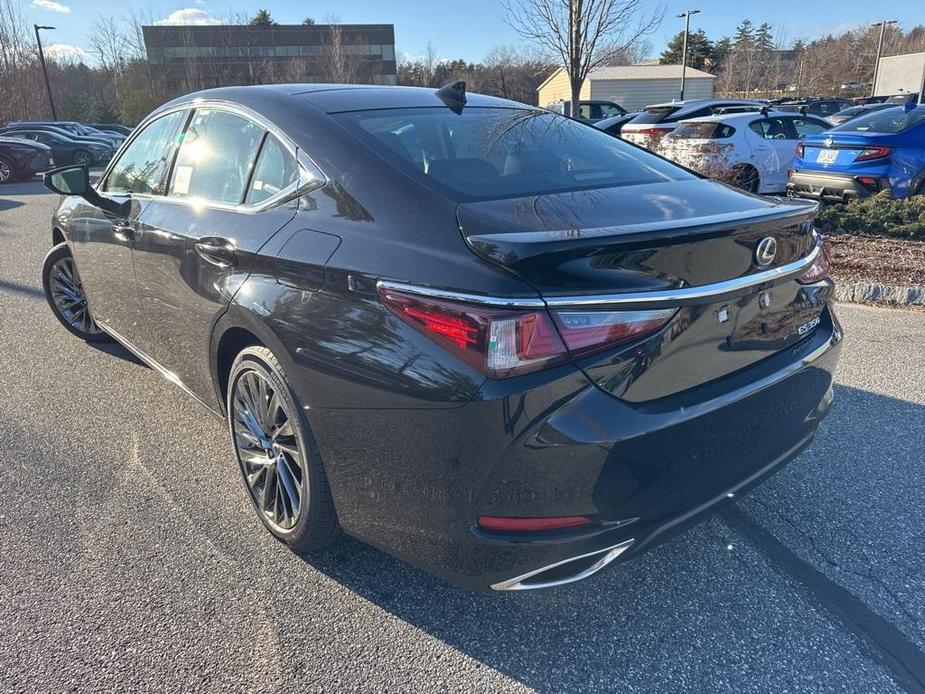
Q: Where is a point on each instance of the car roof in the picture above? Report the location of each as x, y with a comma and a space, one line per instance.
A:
694, 103
746, 116
334, 98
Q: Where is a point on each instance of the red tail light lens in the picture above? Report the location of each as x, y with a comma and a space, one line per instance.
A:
801, 148
819, 270
651, 132
519, 525
501, 343
869, 153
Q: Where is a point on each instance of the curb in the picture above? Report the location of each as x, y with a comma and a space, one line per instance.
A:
860, 292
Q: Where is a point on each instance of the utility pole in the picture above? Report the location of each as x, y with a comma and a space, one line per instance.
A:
38, 40
882, 24
800, 80
687, 29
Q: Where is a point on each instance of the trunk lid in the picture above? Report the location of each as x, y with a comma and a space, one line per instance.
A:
837, 151
591, 245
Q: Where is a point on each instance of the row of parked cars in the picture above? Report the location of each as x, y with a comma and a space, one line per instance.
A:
28, 148
790, 147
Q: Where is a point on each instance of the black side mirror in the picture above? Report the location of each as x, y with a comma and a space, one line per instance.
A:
75, 180
69, 180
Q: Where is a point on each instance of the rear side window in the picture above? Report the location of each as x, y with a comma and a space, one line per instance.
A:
141, 167
704, 131
890, 120
276, 170
770, 128
655, 114
487, 153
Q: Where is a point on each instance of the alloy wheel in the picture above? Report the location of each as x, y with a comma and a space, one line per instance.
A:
81, 157
68, 296
268, 450
6, 173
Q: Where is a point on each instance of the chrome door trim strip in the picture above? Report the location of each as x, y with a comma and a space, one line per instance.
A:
609, 554
680, 296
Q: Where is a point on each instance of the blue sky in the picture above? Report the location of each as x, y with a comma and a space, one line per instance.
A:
469, 28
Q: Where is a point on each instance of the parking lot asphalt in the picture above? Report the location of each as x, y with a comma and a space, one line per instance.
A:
132, 560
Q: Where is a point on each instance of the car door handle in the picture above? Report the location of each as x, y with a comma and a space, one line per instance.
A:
218, 251
124, 231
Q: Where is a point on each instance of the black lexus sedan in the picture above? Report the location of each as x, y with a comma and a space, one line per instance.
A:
21, 159
496, 342
65, 149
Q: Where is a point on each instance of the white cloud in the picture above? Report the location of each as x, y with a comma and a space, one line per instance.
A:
65, 52
188, 15
51, 6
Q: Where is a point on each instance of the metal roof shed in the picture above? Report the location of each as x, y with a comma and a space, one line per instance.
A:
631, 86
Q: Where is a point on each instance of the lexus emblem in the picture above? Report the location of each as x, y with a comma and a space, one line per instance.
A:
765, 251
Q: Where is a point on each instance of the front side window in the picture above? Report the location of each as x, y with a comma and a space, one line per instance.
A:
141, 167
487, 153
215, 157
276, 170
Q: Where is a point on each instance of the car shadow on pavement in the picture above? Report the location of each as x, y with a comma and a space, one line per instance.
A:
31, 187
114, 349
10, 204
18, 288
691, 607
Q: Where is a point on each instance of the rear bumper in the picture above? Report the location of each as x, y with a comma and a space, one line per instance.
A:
833, 187
643, 472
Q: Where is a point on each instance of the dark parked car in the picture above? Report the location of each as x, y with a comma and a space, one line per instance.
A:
75, 129
614, 125
117, 128
65, 149
496, 342
20, 159
589, 111
11, 130
817, 107
855, 111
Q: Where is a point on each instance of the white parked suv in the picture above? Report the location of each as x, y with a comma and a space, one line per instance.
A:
752, 150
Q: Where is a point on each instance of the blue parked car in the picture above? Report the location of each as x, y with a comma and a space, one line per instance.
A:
881, 151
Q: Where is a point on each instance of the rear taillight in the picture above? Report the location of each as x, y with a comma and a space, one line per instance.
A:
800, 149
874, 152
819, 270
508, 342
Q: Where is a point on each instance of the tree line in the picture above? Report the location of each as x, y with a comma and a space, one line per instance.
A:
760, 61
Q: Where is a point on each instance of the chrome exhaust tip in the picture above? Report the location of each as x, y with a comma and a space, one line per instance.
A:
565, 571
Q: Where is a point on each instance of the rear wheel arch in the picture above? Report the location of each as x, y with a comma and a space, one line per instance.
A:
57, 236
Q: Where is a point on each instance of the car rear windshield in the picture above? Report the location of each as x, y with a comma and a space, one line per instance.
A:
490, 153
656, 114
890, 120
703, 131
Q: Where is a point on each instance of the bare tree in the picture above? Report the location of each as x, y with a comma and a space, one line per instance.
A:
343, 64
581, 34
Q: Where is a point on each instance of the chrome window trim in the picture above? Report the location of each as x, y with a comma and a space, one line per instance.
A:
310, 178
610, 553
673, 297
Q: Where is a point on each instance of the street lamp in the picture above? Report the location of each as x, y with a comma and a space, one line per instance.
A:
687, 28
38, 40
882, 24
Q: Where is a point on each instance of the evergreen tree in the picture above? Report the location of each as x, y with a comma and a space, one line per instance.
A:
764, 40
720, 50
262, 19
699, 50
745, 34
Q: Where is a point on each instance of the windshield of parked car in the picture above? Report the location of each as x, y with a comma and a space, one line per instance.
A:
487, 153
703, 131
890, 120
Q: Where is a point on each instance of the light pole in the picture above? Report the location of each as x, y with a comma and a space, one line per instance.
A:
38, 40
687, 28
882, 24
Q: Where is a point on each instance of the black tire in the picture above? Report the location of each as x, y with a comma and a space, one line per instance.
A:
81, 156
747, 178
314, 525
6, 171
64, 293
